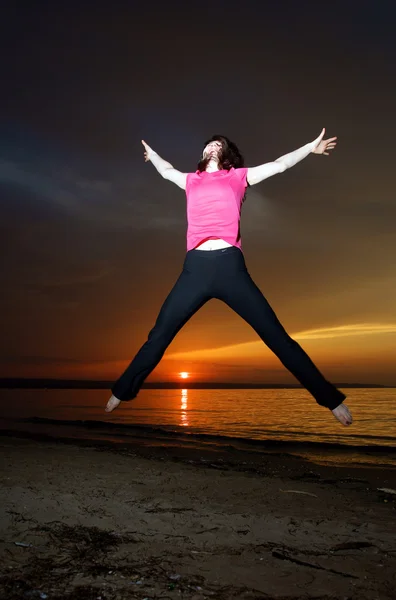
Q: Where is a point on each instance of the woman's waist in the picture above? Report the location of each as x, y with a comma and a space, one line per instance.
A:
220, 259
213, 238
213, 243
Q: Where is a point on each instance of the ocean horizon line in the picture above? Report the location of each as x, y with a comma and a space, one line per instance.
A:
57, 383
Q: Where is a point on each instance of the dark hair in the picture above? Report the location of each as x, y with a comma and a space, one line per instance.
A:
229, 155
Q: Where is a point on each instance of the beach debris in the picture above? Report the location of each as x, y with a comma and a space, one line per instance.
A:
206, 530
23, 544
298, 492
36, 594
84, 542
175, 576
284, 555
171, 509
387, 490
351, 546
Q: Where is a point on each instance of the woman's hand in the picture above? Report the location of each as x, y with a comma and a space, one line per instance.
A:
148, 151
164, 168
324, 146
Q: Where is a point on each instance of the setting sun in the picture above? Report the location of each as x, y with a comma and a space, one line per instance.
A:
184, 375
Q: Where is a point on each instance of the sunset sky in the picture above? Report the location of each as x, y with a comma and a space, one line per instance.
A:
92, 238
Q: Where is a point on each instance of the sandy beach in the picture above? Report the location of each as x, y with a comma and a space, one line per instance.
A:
86, 521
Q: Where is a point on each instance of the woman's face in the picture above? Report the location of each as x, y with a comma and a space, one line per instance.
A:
212, 150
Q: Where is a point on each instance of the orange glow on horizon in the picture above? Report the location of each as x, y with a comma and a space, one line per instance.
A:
362, 352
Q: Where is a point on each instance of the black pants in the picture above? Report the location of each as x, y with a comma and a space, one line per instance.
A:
222, 274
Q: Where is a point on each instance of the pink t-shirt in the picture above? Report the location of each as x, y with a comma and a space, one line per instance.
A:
214, 202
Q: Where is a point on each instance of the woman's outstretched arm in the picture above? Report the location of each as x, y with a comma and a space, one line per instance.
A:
318, 146
164, 168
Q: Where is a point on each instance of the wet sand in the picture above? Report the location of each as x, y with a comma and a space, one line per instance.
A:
99, 521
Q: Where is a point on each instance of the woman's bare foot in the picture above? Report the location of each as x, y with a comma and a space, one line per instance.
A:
342, 413
112, 404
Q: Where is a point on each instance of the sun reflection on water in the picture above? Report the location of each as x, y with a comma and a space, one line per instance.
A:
183, 412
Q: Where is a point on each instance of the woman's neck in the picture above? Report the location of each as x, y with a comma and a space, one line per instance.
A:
212, 166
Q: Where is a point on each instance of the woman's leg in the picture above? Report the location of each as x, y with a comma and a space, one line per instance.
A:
186, 297
245, 298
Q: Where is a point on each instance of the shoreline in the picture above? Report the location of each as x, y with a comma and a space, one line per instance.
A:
231, 454
87, 432
85, 520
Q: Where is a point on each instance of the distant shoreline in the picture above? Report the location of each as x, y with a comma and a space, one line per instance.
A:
42, 383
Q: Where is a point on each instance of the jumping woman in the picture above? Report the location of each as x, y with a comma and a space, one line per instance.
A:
214, 267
